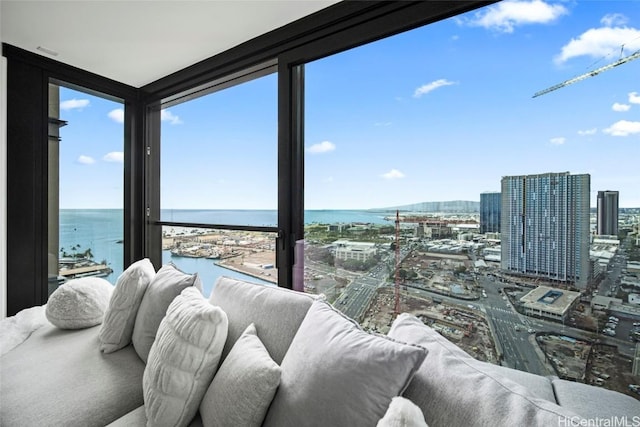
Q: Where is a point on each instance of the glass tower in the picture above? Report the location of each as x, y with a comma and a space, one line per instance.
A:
608, 213
545, 227
490, 212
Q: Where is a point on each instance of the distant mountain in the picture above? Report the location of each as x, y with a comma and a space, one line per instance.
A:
454, 206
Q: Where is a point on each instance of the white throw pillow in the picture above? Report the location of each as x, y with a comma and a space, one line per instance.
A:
79, 303
117, 328
243, 387
165, 286
402, 413
183, 359
336, 374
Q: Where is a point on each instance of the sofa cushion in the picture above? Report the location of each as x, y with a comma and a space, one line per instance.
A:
61, 378
120, 316
79, 303
243, 387
276, 312
183, 359
452, 388
402, 413
165, 286
338, 373
595, 403
138, 417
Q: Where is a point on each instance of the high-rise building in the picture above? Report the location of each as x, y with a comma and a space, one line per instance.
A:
608, 213
490, 212
545, 226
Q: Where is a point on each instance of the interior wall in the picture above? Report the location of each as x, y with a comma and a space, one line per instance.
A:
3, 185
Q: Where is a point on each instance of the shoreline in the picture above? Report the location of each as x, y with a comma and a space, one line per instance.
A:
269, 279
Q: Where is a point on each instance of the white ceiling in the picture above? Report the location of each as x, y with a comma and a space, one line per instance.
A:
139, 41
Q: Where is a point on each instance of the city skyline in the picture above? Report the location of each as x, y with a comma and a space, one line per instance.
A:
439, 113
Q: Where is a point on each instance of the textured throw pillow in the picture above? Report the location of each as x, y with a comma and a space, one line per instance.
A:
183, 359
117, 328
453, 389
336, 374
165, 286
79, 303
402, 413
243, 387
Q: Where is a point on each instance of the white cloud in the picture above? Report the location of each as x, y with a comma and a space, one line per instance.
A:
620, 107
393, 174
322, 147
507, 15
634, 98
614, 20
623, 128
588, 132
424, 89
114, 156
167, 116
74, 104
383, 124
117, 115
559, 140
85, 160
601, 42
328, 179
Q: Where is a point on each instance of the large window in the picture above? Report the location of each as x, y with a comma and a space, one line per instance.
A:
403, 135
85, 185
218, 181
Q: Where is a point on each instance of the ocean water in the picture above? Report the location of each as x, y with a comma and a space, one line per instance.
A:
101, 230
270, 217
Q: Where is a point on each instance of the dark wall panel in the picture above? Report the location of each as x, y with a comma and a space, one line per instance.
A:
26, 186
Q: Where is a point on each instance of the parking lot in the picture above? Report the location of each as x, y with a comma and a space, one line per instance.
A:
621, 327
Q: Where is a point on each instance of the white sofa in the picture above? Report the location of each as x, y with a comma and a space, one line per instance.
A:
332, 373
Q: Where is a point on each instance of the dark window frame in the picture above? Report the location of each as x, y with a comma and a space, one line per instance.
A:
28, 78
337, 28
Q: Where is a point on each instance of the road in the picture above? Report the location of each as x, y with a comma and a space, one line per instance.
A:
358, 294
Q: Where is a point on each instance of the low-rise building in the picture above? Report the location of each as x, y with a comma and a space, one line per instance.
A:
603, 303
360, 251
492, 254
633, 267
549, 303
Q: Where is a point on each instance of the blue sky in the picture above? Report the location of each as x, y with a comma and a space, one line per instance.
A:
438, 113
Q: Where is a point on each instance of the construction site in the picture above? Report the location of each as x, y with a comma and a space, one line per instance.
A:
586, 362
466, 327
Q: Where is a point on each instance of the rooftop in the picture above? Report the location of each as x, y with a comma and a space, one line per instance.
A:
549, 299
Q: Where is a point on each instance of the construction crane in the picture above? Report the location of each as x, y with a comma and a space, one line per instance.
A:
396, 305
595, 72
